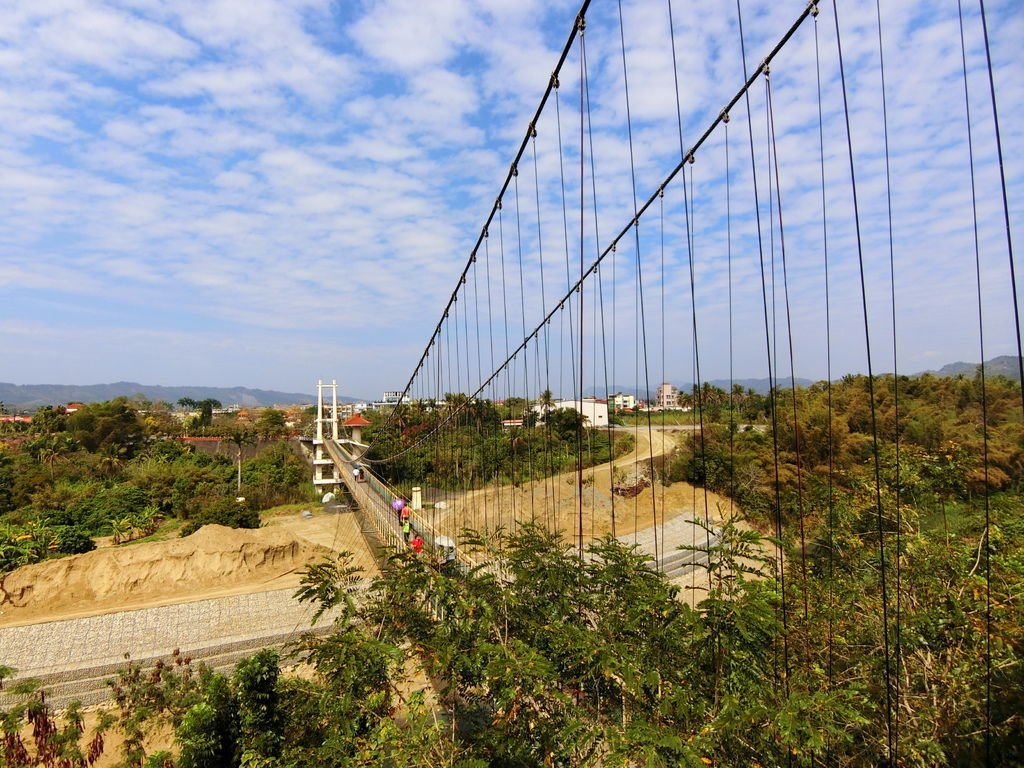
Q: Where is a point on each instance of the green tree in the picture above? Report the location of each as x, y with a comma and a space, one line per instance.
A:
546, 401
258, 717
112, 425
227, 511
271, 424
276, 475
49, 420
208, 733
206, 408
94, 512
6, 481
73, 540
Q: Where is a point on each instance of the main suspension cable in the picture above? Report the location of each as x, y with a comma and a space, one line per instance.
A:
1006, 203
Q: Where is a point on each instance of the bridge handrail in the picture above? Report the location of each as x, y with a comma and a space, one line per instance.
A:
378, 500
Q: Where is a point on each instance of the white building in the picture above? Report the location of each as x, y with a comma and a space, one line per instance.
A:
622, 402
389, 400
594, 411
347, 409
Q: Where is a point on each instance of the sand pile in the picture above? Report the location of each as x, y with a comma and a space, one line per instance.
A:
213, 560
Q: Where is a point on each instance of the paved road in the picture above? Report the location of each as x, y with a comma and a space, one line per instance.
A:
682, 568
95, 641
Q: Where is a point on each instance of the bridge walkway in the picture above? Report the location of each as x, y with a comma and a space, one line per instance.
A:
375, 498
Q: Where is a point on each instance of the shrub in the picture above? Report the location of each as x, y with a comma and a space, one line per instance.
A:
224, 511
95, 513
256, 691
73, 540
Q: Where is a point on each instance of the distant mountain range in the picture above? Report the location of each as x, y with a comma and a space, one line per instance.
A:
27, 397
32, 396
1005, 365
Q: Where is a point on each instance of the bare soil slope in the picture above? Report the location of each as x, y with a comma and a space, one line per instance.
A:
212, 562
554, 502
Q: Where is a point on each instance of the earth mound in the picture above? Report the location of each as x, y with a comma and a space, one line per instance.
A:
213, 560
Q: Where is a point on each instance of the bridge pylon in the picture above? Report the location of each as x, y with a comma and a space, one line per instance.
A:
325, 473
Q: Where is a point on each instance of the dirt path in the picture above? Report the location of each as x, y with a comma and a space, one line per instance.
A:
555, 502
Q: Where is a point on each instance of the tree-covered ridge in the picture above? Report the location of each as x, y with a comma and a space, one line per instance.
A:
115, 469
826, 438
463, 444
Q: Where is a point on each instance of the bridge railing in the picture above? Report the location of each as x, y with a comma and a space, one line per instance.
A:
376, 497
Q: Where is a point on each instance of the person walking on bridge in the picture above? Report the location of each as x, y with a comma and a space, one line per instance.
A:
399, 506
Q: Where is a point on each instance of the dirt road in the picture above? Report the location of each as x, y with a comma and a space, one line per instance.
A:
555, 502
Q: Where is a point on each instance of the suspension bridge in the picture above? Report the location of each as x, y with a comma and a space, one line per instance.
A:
337, 464
839, 195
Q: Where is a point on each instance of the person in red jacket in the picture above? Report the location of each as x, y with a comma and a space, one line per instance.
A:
416, 543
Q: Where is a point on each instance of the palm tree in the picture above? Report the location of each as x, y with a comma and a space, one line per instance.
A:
110, 462
454, 401
240, 437
49, 457
546, 402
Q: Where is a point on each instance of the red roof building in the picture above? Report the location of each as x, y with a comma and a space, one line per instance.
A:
356, 420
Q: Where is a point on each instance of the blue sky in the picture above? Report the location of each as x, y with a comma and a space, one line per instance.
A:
268, 193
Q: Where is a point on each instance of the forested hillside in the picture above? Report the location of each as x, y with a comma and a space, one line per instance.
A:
115, 469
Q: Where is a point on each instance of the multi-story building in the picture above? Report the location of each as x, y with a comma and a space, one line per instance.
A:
388, 400
668, 396
622, 402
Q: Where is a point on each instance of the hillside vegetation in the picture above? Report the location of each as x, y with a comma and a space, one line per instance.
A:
114, 469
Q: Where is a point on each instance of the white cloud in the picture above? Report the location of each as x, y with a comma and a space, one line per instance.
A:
316, 174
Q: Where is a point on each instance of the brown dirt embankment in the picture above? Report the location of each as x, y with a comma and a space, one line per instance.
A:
213, 561
555, 502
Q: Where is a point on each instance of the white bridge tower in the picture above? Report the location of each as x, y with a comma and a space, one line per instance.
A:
324, 471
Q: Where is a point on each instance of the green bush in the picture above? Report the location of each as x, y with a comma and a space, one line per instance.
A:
224, 511
73, 540
258, 716
94, 513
